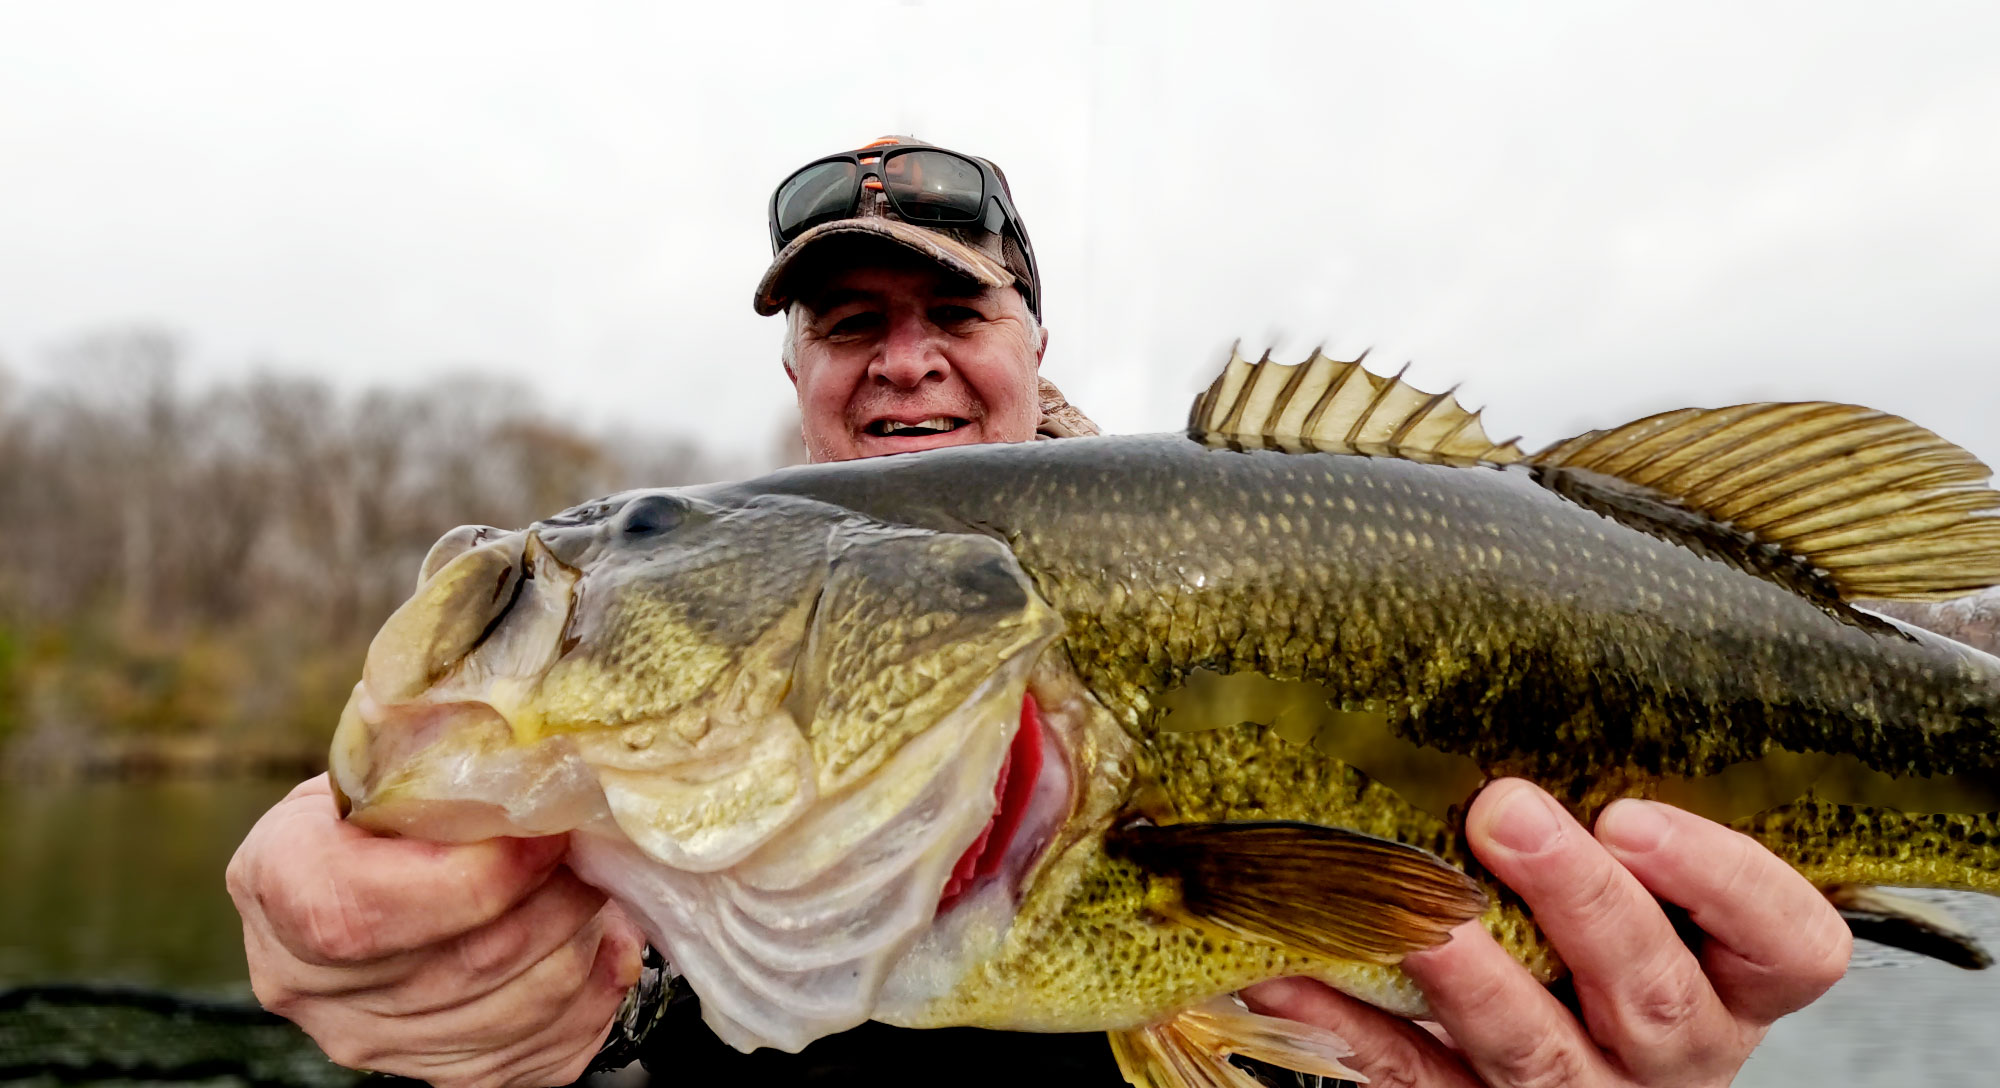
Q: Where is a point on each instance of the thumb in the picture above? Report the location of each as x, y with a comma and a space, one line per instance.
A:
620, 948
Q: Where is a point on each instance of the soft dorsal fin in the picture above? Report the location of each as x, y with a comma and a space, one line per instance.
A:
1871, 504
1330, 406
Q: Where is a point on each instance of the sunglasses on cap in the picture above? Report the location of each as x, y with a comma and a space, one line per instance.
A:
927, 186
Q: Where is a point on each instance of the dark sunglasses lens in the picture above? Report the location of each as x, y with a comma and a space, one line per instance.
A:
934, 187
814, 196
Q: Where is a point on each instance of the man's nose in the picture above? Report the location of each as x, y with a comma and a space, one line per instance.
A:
911, 354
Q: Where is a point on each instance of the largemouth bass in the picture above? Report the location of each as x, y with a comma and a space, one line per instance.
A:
1085, 734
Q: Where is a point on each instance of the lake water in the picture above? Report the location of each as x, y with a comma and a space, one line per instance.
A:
123, 883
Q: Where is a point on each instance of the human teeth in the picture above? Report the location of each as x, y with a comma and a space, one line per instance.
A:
933, 425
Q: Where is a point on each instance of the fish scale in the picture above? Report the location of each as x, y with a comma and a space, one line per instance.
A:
1475, 627
1277, 657
1497, 619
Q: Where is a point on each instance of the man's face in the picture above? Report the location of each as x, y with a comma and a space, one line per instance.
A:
896, 357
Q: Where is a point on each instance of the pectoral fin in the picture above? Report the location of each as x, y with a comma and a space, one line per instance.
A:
1320, 891
1192, 1049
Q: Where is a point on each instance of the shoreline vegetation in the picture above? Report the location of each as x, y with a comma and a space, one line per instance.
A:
190, 576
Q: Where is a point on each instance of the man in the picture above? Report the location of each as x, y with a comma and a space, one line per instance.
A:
913, 321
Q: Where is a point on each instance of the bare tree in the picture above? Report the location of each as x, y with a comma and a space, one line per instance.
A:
212, 563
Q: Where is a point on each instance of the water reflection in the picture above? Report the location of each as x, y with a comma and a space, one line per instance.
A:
122, 882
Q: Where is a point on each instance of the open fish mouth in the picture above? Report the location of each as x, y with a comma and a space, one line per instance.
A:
387, 760
441, 693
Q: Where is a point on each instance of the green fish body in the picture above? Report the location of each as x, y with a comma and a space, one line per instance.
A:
1266, 667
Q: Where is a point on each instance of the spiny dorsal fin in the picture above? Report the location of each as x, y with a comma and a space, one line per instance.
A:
1323, 891
1330, 406
1873, 504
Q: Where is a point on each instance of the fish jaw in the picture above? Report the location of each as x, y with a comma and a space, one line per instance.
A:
777, 788
795, 941
453, 774
440, 738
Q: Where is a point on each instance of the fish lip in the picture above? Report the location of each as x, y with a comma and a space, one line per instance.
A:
377, 746
386, 736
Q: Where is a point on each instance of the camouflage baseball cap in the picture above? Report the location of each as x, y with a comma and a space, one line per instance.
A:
990, 257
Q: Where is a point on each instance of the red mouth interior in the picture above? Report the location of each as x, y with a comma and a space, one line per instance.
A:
1018, 773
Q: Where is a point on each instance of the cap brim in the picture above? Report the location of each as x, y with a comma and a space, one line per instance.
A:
777, 289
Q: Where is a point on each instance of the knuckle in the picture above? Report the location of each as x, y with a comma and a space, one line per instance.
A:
331, 931
558, 995
568, 1072
354, 1052
334, 945
1599, 896
493, 949
1481, 994
1544, 1060
572, 1068
237, 877
1815, 962
501, 1069
1398, 1062
1666, 1011
275, 996
1742, 870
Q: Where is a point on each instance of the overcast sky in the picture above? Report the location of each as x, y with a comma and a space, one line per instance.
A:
1584, 212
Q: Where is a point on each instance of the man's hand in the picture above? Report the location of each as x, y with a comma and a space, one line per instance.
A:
1654, 1012
482, 964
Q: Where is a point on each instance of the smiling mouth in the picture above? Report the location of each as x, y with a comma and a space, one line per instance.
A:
890, 428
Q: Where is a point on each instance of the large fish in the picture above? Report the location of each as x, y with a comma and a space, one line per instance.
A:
1086, 734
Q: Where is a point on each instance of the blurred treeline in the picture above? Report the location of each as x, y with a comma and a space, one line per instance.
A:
189, 578
1973, 620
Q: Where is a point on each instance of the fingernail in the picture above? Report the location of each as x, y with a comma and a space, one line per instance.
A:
620, 960
1632, 826
1527, 822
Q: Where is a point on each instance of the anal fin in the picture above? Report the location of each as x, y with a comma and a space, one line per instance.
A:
1898, 922
1320, 891
1191, 1049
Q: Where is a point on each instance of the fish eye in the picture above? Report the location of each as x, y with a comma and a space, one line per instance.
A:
650, 515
